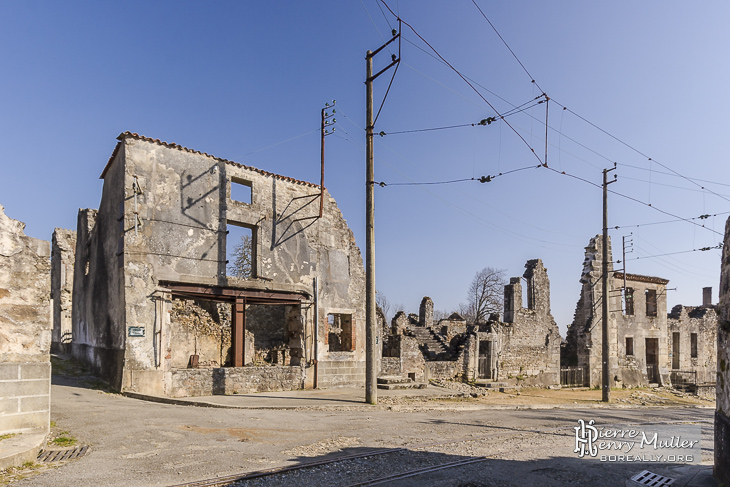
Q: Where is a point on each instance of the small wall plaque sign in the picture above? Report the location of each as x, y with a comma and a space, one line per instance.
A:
136, 331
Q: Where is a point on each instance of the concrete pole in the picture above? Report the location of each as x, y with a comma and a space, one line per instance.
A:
371, 392
606, 397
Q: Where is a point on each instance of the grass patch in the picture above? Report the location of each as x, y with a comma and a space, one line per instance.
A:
7, 436
63, 439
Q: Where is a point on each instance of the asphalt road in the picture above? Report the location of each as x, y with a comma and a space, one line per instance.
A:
137, 443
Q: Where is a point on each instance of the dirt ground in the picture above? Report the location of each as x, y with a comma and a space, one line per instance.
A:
140, 443
571, 397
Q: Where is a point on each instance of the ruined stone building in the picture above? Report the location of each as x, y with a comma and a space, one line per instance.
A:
63, 249
523, 349
645, 344
722, 411
198, 275
25, 338
692, 335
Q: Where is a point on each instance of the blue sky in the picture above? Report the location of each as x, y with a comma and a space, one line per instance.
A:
236, 78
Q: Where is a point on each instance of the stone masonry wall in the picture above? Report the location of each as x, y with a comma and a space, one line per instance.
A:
25, 329
530, 344
236, 380
722, 413
63, 257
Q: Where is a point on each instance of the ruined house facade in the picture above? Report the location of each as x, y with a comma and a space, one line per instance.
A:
637, 324
159, 306
692, 338
522, 349
645, 344
25, 335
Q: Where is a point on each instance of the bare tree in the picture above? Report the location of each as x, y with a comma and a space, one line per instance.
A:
241, 266
485, 296
382, 302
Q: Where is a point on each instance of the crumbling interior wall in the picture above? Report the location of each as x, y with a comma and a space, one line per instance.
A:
25, 329
201, 328
63, 257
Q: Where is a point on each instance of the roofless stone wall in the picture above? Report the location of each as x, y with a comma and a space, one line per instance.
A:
25, 330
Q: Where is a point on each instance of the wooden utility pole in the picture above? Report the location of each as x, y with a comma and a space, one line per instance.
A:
371, 326
606, 372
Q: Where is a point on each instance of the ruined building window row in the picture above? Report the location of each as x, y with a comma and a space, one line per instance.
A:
651, 308
629, 345
693, 345
629, 301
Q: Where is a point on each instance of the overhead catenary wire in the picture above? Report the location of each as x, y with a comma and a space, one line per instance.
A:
701, 217
463, 78
532, 78
674, 172
482, 179
631, 198
650, 159
516, 235
702, 249
587, 121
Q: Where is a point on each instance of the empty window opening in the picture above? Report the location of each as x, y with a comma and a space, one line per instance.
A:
629, 345
339, 333
651, 302
675, 350
629, 301
241, 190
241, 251
693, 345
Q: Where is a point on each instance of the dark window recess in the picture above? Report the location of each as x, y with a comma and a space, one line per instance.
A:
629, 345
693, 345
339, 333
241, 190
629, 301
650, 302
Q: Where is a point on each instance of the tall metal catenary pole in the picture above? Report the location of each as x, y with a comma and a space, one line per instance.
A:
606, 378
371, 392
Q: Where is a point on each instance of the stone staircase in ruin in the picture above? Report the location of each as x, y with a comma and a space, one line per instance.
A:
431, 347
396, 382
